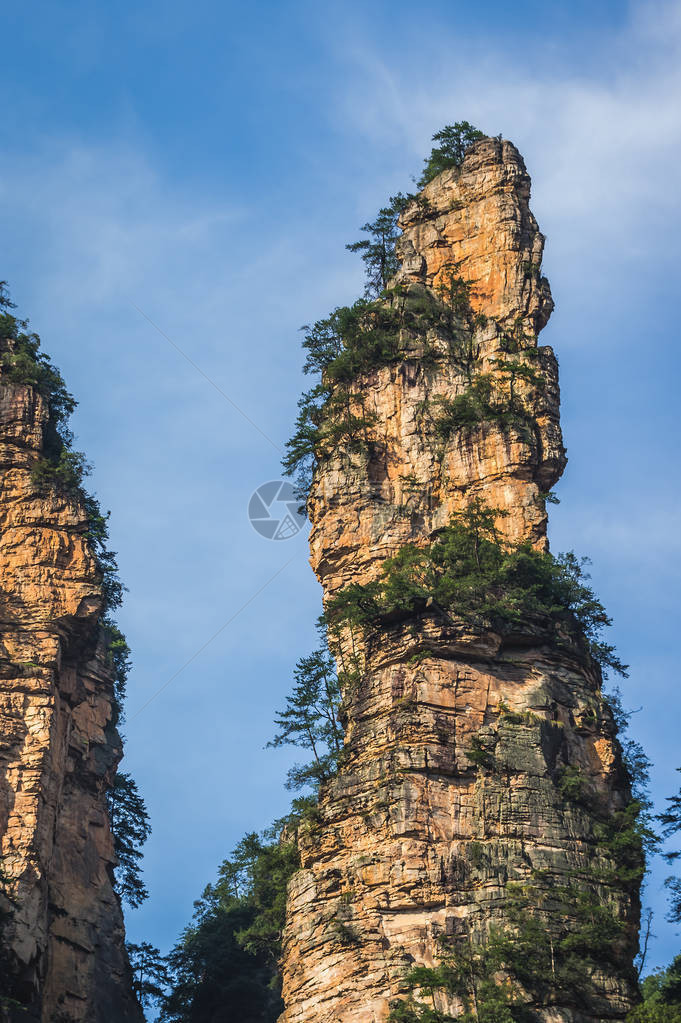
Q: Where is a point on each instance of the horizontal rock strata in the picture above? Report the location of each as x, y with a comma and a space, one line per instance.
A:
62, 939
414, 840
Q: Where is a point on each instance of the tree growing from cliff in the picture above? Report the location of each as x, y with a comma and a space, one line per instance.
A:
150, 975
25, 363
455, 141
468, 573
310, 720
130, 828
352, 340
670, 820
378, 250
555, 941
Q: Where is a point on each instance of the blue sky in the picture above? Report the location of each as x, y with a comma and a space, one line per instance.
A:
206, 163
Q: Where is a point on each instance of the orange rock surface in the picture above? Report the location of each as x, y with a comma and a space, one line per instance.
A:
63, 941
414, 841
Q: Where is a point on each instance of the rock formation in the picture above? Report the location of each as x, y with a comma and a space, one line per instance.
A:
415, 841
63, 953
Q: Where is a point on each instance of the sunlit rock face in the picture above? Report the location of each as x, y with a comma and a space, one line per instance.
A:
414, 840
63, 941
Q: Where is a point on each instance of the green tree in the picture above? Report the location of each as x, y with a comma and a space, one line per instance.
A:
118, 657
514, 370
556, 939
130, 828
378, 250
214, 979
23, 362
225, 966
352, 340
661, 997
150, 974
310, 719
468, 573
670, 820
455, 141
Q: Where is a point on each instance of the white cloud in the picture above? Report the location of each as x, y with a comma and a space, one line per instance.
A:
602, 142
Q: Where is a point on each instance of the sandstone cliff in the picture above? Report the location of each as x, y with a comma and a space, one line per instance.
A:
62, 941
415, 840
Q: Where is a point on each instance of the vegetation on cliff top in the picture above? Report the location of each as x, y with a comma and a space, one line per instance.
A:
455, 140
467, 573
376, 331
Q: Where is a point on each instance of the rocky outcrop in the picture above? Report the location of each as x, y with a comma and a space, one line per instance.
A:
62, 938
415, 840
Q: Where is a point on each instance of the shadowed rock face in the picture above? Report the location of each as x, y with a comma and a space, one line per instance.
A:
415, 841
63, 942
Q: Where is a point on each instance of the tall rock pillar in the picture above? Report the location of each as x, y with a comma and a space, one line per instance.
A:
416, 841
61, 932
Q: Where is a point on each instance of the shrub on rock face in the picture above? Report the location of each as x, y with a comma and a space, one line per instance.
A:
468, 574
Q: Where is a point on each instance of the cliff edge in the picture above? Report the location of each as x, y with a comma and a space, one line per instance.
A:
63, 947
462, 739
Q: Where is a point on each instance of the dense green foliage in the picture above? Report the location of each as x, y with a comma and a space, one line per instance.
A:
118, 657
352, 340
468, 573
455, 140
224, 968
406, 322
25, 363
485, 401
661, 993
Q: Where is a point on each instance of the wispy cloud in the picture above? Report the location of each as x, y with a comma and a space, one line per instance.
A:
603, 142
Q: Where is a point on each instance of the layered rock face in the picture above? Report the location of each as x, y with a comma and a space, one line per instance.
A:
415, 840
62, 938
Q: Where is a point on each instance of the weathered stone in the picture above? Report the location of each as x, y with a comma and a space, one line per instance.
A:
414, 840
63, 941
